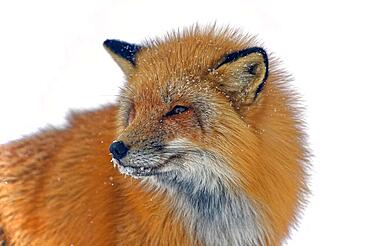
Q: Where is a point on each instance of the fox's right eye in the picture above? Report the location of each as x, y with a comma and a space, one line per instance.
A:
178, 109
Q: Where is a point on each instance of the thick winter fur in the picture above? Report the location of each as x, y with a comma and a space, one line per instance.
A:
230, 170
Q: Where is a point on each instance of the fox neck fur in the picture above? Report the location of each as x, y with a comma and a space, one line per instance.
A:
210, 212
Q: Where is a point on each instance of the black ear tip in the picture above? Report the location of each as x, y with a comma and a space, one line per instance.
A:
109, 43
123, 49
106, 42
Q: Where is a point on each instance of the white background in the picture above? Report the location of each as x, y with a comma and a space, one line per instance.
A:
52, 60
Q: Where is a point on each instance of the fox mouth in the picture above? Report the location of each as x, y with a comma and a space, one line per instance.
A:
144, 171
138, 171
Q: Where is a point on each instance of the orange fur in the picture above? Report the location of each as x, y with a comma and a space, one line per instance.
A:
58, 187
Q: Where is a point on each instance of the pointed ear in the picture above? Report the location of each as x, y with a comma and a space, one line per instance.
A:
243, 74
123, 53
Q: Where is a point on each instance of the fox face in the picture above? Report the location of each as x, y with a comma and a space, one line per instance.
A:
170, 113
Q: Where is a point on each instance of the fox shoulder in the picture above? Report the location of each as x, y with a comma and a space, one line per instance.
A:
44, 174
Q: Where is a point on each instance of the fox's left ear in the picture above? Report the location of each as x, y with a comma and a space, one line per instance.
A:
123, 53
242, 74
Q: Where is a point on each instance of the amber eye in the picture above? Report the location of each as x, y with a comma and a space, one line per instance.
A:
178, 109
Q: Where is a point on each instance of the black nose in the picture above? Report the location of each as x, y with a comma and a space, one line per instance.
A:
118, 150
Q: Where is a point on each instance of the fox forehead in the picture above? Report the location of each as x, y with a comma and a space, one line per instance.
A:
168, 68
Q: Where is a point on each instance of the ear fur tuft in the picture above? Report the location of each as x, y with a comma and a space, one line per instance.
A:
123, 53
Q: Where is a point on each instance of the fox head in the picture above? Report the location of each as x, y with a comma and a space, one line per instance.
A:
204, 117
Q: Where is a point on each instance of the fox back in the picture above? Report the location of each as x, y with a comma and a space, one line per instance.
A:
207, 146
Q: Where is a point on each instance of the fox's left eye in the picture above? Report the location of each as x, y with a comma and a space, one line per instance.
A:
178, 109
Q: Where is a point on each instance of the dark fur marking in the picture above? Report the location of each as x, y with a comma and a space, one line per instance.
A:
207, 204
125, 50
252, 69
2, 238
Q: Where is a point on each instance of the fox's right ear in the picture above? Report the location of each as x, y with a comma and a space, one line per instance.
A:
123, 53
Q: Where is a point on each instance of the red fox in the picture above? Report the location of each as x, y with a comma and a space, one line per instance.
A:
206, 142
